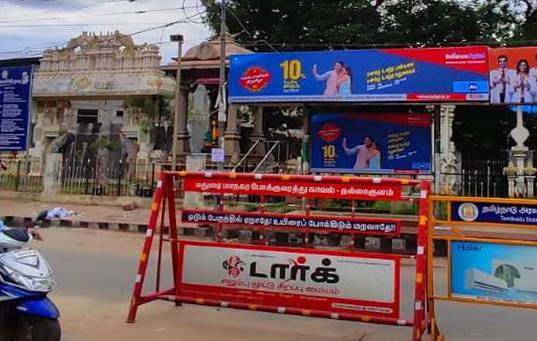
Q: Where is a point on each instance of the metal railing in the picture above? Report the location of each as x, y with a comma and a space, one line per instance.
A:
115, 179
15, 175
246, 156
263, 162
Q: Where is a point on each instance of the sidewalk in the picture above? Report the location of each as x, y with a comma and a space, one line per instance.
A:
24, 211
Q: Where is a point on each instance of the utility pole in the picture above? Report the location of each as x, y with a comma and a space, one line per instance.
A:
222, 79
179, 39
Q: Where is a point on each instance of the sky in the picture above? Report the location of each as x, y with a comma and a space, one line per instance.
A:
27, 27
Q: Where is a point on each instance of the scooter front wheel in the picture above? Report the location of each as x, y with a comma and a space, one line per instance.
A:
32, 328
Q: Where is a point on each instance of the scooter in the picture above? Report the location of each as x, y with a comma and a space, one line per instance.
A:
26, 313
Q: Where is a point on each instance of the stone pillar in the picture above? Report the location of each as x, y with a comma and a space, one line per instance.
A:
183, 137
51, 176
257, 134
194, 163
231, 135
449, 163
517, 172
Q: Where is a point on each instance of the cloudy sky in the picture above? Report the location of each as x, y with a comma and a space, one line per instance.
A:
29, 26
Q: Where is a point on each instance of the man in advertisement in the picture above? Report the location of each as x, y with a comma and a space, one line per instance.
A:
331, 77
500, 81
367, 154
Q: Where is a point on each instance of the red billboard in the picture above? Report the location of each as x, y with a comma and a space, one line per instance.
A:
513, 75
294, 188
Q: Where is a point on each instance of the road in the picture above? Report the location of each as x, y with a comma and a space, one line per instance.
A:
95, 271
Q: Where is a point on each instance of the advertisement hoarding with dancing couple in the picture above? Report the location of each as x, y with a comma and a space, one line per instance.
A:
371, 143
451, 74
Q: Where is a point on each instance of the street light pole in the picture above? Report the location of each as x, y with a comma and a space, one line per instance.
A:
179, 39
222, 78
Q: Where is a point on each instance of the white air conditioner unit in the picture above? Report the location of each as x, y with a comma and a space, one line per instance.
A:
477, 279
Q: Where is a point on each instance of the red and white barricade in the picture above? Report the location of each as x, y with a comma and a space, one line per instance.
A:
345, 284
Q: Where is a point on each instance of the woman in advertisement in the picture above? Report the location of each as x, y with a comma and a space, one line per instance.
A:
521, 83
344, 82
374, 158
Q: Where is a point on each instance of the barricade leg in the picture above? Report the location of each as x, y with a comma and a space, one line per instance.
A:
432, 324
144, 257
419, 300
170, 196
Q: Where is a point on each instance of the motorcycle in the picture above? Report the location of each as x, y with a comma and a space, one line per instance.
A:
26, 313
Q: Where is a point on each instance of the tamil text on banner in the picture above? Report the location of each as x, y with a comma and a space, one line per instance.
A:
309, 279
388, 75
15, 101
491, 271
295, 188
370, 226
371, 143
525, 214
513, 75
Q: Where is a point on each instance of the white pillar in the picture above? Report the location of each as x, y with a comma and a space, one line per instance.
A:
449, 165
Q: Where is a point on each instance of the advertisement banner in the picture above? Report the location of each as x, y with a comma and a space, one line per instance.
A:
370, 226
15, 102
371, 143
494, 213
449, 74
490, 271
310, 279
513, 75
287, 188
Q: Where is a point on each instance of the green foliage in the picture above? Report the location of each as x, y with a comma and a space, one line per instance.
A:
382, 206
155, 110
105, 143
404, 208
310, 24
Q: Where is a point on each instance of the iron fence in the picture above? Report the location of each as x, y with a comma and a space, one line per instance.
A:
480, 178
116, 179
16, 175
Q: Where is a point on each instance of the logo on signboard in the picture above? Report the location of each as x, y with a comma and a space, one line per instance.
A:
234, 266
472, 87
468, 211
293, 270
255, 79
5, 74
329, 132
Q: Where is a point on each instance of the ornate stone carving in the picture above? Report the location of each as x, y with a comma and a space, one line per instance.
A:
520, 172
449, 163
109, 64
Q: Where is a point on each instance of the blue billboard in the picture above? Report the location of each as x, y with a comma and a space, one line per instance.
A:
15, 102
371, 143
524, 214
386, 75
490, 271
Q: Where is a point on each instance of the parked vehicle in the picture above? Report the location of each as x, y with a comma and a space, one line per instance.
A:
26, 313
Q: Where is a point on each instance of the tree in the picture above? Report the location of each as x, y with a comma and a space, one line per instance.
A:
318, 25
447, 22
297, 24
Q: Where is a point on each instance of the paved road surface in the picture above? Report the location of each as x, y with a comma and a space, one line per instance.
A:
95, 271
